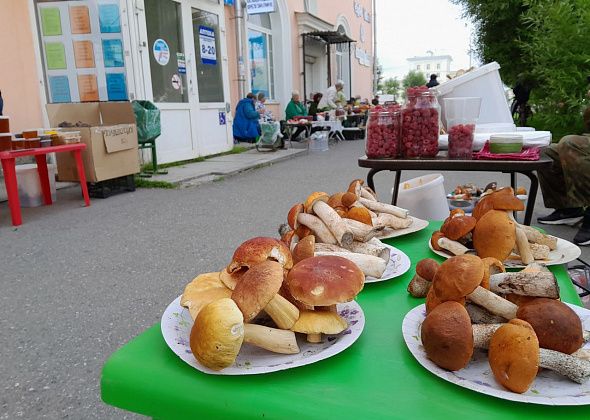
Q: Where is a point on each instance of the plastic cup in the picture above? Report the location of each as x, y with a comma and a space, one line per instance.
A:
461, 115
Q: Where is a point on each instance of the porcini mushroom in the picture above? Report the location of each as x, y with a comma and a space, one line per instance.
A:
219, 331
305, 248
317, 203
380, 207
360, 214
362, 232
494, 235
370, 265
421, 282
259, 249
391, 221
319, 228
459, 228
258, 289
315, 323
204, 289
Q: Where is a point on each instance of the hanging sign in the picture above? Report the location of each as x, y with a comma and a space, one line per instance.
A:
207, 45
254, 7
176, 82
181, 62
161, 52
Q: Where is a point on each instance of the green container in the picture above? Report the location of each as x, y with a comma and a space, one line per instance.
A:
506, 143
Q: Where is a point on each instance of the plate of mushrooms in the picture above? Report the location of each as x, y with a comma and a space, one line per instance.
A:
491, 231
534, 351
266, 312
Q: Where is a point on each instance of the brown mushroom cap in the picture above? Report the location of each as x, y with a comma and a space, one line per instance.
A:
436, 235
325, 280
259, 249
204, 289
426, 268
313, 198
319, 322
557, 326
447, 336
457, 213
335, 200
348, 199
491, 266
457, 227
494, 235
457, 277
257, 287
230, 280
305, 248
484, 205
432, 301
504, 199
353, 184
287, 238
514, 355
360, 214
217, 334
292, 215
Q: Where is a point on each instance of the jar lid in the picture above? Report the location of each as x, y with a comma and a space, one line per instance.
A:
506, 138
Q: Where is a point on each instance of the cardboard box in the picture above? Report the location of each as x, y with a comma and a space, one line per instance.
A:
111, 139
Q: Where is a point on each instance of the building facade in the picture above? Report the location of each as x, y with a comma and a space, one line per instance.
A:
193, 58
431, 64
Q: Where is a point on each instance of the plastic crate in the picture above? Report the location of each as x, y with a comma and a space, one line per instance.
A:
109, 187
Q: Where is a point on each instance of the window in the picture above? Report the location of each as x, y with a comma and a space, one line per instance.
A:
209, 77
260, 53
438, 66
427, 66
417, 66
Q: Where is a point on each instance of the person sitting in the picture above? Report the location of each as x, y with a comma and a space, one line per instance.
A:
433, 82
566, 185
246, 127
313, 108
375, 101
265, 114
333, 98
295, 108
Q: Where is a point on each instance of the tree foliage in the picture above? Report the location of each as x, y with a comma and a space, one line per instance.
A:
390, 86
413, 78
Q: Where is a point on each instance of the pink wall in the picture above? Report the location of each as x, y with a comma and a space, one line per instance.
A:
19, 81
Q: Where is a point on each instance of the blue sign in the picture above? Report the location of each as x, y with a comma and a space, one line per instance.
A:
112, 52
207, 48
60, 89
228, 2
108, 17
161, 52
116, 87
222, 120
181, 63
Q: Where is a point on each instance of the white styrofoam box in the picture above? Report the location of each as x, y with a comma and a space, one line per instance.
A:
530, 139
29, 186
484, 82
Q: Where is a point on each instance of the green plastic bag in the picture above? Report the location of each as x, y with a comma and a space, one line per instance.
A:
147, 117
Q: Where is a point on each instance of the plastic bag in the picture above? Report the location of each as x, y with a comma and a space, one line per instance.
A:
147, 117
270, 131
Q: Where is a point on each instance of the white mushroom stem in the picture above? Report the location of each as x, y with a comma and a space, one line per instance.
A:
282, 312
367, 248
321, 231
578, 370
369, 265
493, 303
367, 194
539, 284
314, 338
359, 205
482, 334
524, 250
362, 232
334, 222
481, 315
454, 247
536, 237
540, 251
582, 354
419, 286
271, 339
392, 221
380, 207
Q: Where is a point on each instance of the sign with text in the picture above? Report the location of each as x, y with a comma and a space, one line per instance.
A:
254, 7
207, 45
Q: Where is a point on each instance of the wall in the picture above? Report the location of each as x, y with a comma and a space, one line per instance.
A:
19, 81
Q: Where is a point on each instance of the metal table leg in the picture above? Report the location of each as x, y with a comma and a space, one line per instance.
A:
530, 206
398, 175
370, 175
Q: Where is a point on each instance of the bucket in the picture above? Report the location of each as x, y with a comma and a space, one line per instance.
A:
29, 186
424, 197
318, 142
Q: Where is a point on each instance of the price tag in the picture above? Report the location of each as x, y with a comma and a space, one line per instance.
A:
207, 45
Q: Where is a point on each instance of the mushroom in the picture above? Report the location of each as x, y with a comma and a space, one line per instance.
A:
204, 289
376, 249
362, 232
356, 187
305, 248
539, 284
231, 279
421, 282
318, 227
459, 228
370, 265
494, 235
536, 237
391, 221
440, 242
456, 213
491, 266
219, 331
360, 214
380, 207
557, 326
324, 281
300, 230
258, 289
461, 276
349, 199
523, 247
480, 315
436, 235
316, 323
317, 203
256, 250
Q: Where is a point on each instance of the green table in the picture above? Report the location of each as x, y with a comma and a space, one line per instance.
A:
375, 378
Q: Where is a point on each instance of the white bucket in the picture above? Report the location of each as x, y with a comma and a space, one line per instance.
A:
318, 142
424, 197
29, 185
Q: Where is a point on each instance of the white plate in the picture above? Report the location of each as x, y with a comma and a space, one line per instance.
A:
398, 264
417, 225
564, 253
549, 388
176, 328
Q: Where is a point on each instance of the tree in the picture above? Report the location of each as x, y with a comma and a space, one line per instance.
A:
413, 78
390, 86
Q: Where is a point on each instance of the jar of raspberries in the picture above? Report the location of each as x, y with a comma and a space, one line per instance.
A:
420, 123
461, 115
383, 133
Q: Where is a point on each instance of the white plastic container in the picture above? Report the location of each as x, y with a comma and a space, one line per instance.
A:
424, 197
29, 186
486, 83
318, 142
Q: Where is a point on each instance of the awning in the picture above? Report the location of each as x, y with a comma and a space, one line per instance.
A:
330, 37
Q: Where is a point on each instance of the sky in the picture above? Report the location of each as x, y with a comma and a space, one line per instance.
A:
408, 28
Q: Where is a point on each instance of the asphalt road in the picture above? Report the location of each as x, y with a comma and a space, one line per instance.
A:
77, 283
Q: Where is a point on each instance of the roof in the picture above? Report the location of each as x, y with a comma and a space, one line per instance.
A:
430, 57
329, 37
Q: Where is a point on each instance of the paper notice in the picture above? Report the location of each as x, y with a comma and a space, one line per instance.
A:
84, 54
60, 89
112, 52
50, 21
108, 17
79, 20
87, 87
55, 55
116, 88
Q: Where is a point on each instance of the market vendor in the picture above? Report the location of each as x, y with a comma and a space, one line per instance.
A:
566, 186
334, 97
246, 127
296, 108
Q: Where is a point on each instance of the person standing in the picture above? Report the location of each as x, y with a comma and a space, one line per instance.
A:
334, 97
433, 82
246, 127
313, 108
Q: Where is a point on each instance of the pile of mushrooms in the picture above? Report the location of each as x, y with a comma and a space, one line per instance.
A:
344, 224
493, 232
262, 277
467, 309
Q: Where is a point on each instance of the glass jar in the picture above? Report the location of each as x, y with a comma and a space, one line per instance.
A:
420, 124
383, 134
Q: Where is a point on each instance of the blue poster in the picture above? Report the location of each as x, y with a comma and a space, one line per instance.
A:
116, 87
258, 50
108, 17
60, 89
207, 47
112, 52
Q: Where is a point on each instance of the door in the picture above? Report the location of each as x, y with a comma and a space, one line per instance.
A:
210, 69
